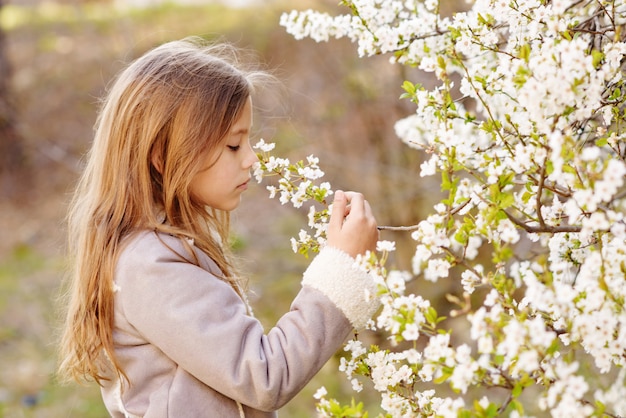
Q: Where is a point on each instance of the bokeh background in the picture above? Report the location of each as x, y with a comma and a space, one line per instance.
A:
56, 59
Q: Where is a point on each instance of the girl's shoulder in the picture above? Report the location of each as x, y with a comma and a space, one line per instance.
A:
150, 245
147, 248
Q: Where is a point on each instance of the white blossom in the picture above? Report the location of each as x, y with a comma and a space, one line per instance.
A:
530, 150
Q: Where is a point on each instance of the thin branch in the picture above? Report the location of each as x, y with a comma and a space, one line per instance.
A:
460, 261
553, 187
460, 207
542, 178
453, 211
397, 228
539, 229
604, 413
506, 403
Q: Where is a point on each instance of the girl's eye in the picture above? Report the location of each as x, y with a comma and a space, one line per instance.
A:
233, 147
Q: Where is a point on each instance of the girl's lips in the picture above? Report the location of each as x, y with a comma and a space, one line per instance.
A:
244, 185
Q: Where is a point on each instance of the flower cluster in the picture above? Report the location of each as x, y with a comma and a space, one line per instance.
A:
296, 185
526, 129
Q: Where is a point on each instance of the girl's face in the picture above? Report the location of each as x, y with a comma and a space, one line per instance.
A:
222, 182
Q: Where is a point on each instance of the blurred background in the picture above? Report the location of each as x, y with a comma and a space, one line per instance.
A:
56, 59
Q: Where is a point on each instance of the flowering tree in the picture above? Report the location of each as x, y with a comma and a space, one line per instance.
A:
526, 129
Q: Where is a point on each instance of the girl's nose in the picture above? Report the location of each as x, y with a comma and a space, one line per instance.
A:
250, 157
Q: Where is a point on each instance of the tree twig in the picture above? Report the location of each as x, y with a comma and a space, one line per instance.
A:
539, 229
397, 228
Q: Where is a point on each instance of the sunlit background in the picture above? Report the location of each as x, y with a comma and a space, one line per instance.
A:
62, 55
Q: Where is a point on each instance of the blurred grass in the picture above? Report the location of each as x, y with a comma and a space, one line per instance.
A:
28, 282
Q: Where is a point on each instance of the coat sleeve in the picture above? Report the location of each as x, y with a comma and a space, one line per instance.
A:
200, 323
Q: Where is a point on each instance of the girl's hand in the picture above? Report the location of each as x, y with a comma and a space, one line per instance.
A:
352, 227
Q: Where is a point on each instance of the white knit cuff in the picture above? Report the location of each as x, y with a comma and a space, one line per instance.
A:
334, 273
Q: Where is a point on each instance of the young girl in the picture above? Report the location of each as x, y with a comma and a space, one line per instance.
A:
157, 314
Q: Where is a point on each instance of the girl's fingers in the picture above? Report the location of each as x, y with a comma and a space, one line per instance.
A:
338, 213
352, 226
368, 209
355, 205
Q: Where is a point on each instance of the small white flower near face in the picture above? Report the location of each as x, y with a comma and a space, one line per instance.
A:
436, 269
273, 190
411, 332
396, 281
429, 168
388, 246
320, 393
357, 386
264, 146
257, 172
469, 280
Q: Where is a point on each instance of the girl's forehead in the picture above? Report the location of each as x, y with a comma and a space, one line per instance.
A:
244, 121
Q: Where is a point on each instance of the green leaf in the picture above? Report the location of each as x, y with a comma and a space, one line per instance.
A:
569, 169
303, 250
431, 316
485, 20
553, 347
549, 167
517, 406
506, 200
410, 89
446, 184
502, 255
464, 414
461, 236
444, 376
441, 62
454, 33
597, 57
505, 179
600, 408
524, 52
492, 410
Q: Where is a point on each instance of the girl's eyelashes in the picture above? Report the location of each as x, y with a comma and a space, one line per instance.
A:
233, 147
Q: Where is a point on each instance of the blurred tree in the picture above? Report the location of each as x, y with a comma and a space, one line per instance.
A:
12, 161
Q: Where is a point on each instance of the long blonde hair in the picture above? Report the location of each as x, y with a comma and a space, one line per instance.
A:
174, 106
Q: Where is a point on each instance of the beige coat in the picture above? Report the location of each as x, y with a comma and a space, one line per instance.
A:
190, 349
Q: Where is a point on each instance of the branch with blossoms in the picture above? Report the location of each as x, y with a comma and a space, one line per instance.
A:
530, 150
296, 185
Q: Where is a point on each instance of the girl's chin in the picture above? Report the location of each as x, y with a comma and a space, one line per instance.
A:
232, 206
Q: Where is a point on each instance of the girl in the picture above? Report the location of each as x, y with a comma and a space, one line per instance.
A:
157, 314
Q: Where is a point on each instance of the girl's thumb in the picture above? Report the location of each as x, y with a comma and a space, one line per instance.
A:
338, 212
